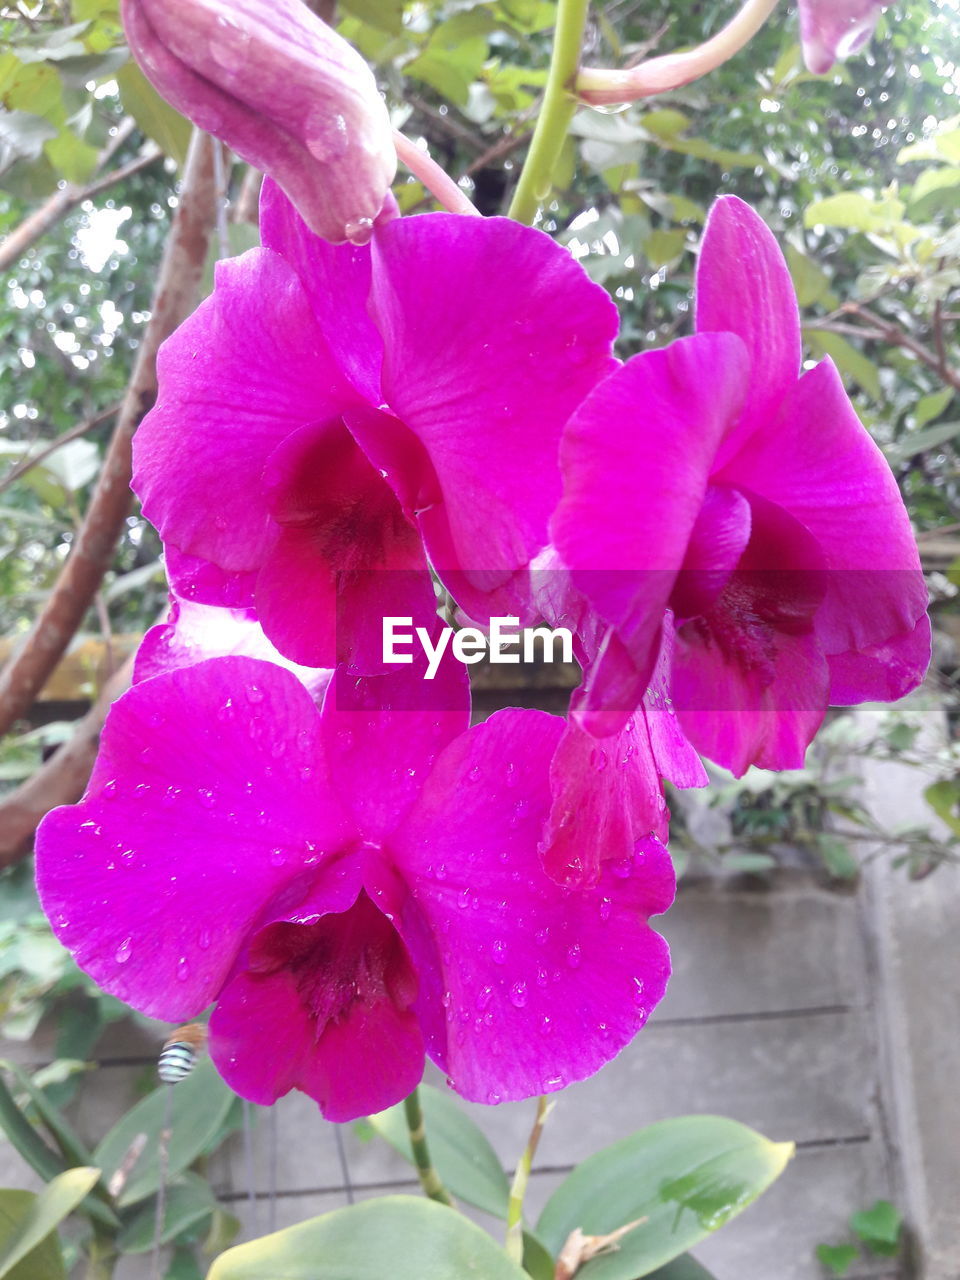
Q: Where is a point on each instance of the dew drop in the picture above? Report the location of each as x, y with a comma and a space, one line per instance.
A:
573, 956
254, 693
541, 936
183, 969
463, 900
277, 857
446, 999
493, 1097
484, 997
204, 939
499, 950
518, 995
206, 797
109, 789
598, 758
474, 774
605, 908
359, 230
124, 951
512, 778
546, 1025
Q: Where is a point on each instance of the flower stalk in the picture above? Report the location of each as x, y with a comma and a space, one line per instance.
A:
559, 104
429, 1178
437, 181
602, 87
518, 1190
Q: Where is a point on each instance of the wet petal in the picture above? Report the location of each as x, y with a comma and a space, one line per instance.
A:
209, 797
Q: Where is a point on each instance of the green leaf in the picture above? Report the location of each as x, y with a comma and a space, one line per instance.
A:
158, 120
23, 1234
386, 15
749, 863
837, 857
943, 797
685, 1177
852, 212
685, 1268
879, 1227
71, 1146
189, 1201
467, 1164
661, 247
810, 281
22, 135
45, 1262
848, 360
402, 1237
537, 1258
837, 1258
183, 1266
931, 406
200, 1106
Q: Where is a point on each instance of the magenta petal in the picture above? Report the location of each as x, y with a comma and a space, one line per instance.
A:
831, 29
208, 798
819, 463
199, 581
542, 985
486, 384
345, 555
607, 795
336, 278
384, 732
882, 672
195, 632
636, 459
717, 541
325, 1008
744, 287
248, 368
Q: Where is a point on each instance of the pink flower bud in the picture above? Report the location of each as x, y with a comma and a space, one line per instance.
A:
284, 91
832, 29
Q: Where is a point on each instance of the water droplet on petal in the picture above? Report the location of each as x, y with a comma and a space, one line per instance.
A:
573, 956
598, 758
359, 230
606, 906
493, 1097
484, 998
474, 774
254, 693
277, 857
463, 899
518, 994
183, 969
207, 797
204, 939
499, 950
123, 952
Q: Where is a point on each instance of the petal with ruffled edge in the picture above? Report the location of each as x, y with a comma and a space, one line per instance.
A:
744, 287
880, 673
209, 798
194, 632
345, 556
636, 459
247, 369
493, 334
818, 462
542, 985
323, 1007
202, 582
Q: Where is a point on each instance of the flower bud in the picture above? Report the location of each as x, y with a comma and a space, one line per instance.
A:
832, 29
284, 91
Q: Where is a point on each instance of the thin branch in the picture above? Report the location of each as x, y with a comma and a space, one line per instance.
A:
64, 199
92, 551
59, 780
27, 464
877, 329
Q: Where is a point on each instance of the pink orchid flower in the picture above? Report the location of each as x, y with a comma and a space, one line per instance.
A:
711, 489
832, 29
285, 91
351, 888
331, 413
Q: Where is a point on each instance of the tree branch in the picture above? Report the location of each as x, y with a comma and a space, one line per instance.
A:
92, 551
68, 196
81, 429
877, 329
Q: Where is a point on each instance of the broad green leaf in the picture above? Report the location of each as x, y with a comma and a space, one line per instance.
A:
935, 191
467, 1164
386, 15
189, 1201
914, 442
402, 1237
931, 406
685, 1268
183, 1266
810, 281
837, 857
943, 797
666, 123
44, 1214
45, 1262
662, 247
200, 1105
685, 1178
854, 212
848, 360
158, 120
537, 1258
71, 1146
837, 1258
944, 145
879, 1227
749, 863
75, 160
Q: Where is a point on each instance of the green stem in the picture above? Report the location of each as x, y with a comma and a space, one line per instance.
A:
559, 104
514, 1240
429, 1178
101, 1258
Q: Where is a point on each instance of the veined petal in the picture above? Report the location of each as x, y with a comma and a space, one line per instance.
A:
541, 985
881, 672
636, 459
209, 798
246, 370
818, 462
493, 335
743, 287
